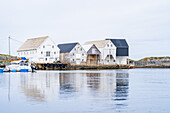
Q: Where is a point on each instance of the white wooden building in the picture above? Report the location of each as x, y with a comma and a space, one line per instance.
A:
107, 49
72, 53
122, 50
39, 50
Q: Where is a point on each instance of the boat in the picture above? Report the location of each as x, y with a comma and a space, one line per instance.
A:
18, 65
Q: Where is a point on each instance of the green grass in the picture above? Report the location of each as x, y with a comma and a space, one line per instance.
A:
7, 55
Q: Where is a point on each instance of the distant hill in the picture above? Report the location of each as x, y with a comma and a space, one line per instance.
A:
6, 58
154, 58
151, 59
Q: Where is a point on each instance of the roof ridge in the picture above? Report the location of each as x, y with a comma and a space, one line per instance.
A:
38, 37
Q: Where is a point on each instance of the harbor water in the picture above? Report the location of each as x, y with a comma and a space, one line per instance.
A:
86, 91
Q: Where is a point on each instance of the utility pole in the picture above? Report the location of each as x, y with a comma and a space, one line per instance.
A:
9, 47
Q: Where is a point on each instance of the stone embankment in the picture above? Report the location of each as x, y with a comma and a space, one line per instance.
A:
62, 66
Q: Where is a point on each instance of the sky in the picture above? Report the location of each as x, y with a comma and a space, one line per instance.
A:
145, 24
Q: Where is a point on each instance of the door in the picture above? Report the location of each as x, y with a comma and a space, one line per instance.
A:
78, 61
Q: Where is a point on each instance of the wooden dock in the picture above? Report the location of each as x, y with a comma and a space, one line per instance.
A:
51, 66
67, 66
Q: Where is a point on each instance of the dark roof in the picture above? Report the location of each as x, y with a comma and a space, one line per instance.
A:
119, 43
66, 48
122, 47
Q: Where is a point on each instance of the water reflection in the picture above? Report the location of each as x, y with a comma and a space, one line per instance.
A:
39, 86
42, 86
86, 91
122, 83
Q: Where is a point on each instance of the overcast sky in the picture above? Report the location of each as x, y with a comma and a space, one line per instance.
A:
145, 24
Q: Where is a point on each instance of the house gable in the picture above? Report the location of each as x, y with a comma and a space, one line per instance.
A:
93, 50
122, 47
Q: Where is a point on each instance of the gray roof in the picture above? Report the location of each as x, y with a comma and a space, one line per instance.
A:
119, 43
122, 47
32, 43
66, 48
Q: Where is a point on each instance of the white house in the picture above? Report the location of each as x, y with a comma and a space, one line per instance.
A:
72, 53
39, 50
122, 50
107, 49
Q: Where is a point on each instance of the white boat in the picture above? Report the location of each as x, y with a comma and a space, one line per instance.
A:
18, 66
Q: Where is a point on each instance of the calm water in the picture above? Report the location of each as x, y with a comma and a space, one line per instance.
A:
123, 91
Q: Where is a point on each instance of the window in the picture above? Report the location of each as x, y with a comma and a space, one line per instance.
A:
111, 45
93, 51
52, 46
82, 60
47, 53
75, 49
73, 54
56, 59
41, 52
107, 45
107, 60
54, 52
113, 60
93, 56
81, 49
18, 53
73, 60
45, 59
43, 46
83, 54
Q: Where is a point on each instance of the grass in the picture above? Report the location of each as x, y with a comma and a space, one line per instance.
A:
151, 58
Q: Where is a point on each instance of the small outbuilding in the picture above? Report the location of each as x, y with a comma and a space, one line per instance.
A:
93, 54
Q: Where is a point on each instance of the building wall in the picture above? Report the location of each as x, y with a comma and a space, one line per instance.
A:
108, 53
121, 60
65, 57
40, 54
78, 55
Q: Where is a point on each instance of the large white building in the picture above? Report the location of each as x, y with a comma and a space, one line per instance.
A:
39, 50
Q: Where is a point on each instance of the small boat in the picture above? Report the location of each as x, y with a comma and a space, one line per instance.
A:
21, 65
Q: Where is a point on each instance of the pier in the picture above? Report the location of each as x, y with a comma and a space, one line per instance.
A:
67, 66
